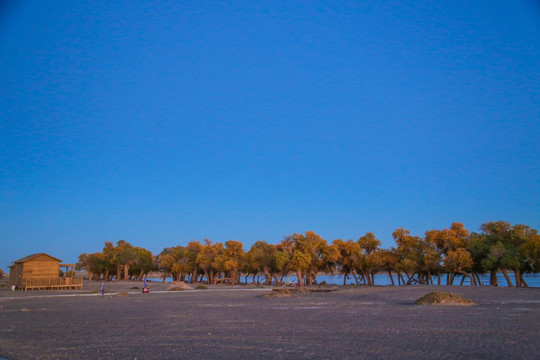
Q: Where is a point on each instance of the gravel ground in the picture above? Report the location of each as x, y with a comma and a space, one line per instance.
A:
237, 323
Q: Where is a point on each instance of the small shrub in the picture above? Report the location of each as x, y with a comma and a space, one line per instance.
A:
176, 288
201, 287
134, 288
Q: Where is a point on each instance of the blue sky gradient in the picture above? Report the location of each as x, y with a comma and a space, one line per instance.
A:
177, 121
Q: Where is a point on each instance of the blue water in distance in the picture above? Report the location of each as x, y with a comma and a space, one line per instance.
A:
533, 280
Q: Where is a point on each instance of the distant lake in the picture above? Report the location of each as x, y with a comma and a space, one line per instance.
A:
533, 280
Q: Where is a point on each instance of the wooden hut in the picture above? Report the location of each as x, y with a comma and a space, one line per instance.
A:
40, 272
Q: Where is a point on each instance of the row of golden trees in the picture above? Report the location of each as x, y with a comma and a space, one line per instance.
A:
453, 252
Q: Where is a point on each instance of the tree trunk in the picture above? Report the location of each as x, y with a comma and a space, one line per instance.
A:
355, 278
126, 271
267, 276
309, 279
505, 273
345, 278
141, 274
409, 278
106, 275
439, 277
366, 279
478, 280
362, 278
299, 276
517, 275
373, 279
523, 283
118, 272
233, 277
493, 281
391, 278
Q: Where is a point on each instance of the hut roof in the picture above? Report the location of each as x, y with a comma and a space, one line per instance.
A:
30, 257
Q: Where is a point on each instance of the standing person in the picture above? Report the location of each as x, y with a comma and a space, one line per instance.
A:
145, 289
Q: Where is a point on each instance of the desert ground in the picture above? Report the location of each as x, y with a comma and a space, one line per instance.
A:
225, 322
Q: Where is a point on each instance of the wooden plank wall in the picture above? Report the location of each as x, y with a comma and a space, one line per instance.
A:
14, 274
41, 267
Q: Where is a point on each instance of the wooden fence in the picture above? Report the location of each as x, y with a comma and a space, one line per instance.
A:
50, 284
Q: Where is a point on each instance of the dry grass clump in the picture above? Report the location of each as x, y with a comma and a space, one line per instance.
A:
443, 298
201, 287
123, 293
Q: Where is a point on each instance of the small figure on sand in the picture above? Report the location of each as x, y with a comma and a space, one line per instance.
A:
103, 289
145, 289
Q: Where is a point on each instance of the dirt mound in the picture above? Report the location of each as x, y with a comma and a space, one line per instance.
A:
179, 285
443, 298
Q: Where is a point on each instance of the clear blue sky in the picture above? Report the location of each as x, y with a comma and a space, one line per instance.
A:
175, 121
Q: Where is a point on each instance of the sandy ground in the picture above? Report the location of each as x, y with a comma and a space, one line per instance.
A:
226, 322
